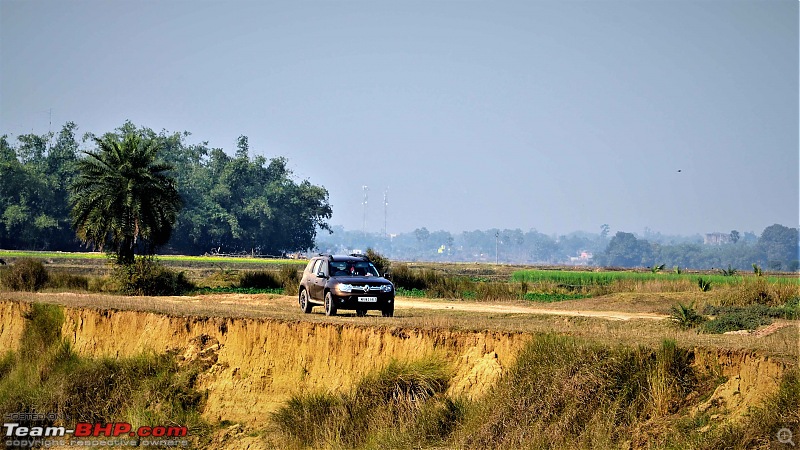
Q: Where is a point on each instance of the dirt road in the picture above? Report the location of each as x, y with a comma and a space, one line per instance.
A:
405, 303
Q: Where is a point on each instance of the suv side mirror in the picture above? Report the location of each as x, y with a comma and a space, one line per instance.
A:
320, 275
387, 275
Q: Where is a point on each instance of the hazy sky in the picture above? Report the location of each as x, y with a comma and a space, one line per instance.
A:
558, 116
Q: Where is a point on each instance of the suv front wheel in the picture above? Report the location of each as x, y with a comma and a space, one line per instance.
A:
330, 307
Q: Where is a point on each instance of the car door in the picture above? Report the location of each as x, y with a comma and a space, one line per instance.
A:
316, 287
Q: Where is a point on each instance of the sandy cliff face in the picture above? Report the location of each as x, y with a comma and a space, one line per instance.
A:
254, 365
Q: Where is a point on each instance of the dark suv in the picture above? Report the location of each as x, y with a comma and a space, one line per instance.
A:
345, 282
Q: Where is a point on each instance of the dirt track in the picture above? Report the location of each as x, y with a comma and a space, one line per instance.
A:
404, 303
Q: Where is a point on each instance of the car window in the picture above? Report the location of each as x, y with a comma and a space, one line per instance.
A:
353, 268
316, 268
339, 268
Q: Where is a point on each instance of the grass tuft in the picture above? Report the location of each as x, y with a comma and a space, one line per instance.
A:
402, 404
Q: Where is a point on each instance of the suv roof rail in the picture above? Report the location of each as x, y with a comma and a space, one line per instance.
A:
359, 255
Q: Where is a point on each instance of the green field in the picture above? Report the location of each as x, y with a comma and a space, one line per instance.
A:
593, 279
166, 258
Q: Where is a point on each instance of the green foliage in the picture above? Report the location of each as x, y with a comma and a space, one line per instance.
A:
729, 272
790, 310
381, 263
124, 199
739, 318
403, 292
26, 274
626, 251
677, 270
238, 290
545, 297
656, 269
685, 316
146, 276
260, 280
286, 279
779, 245
704, 284
34, 190
757, 270
242, 204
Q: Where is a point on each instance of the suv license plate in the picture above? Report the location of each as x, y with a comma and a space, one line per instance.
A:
368, 299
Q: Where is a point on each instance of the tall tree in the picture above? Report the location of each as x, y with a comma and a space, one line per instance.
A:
779, 245
123, 199
626, 251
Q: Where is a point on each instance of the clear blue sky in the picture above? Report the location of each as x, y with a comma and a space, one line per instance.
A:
558, 116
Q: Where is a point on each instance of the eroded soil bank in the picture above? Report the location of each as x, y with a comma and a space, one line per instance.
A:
253, 365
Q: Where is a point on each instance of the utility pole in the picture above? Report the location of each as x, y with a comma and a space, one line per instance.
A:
496, 238
385, 210
365, 188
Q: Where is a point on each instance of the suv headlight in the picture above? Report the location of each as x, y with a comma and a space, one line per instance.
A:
342, 287
386, 288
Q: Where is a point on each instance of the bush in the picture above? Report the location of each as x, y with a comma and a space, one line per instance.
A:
261, 279
26, 274
290, 278
287, 278
381, 263
735, 321
685, 316
62, 280
146, 276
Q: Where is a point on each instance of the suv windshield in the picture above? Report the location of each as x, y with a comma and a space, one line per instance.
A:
353, 268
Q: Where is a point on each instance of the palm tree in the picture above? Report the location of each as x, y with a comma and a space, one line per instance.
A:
123, 199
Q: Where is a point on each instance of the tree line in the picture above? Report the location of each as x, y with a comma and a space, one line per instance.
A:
231, 204
776, 248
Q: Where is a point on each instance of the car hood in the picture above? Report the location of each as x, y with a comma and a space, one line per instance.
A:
361, 280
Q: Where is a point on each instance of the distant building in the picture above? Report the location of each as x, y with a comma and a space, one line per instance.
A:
581, 260
717, 239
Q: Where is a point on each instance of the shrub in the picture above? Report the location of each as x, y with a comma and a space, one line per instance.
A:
381, 263
261, 279
705, 285
685, 316
290, 278
62, 280
146, 276
734, 321
287, 278
26, 274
